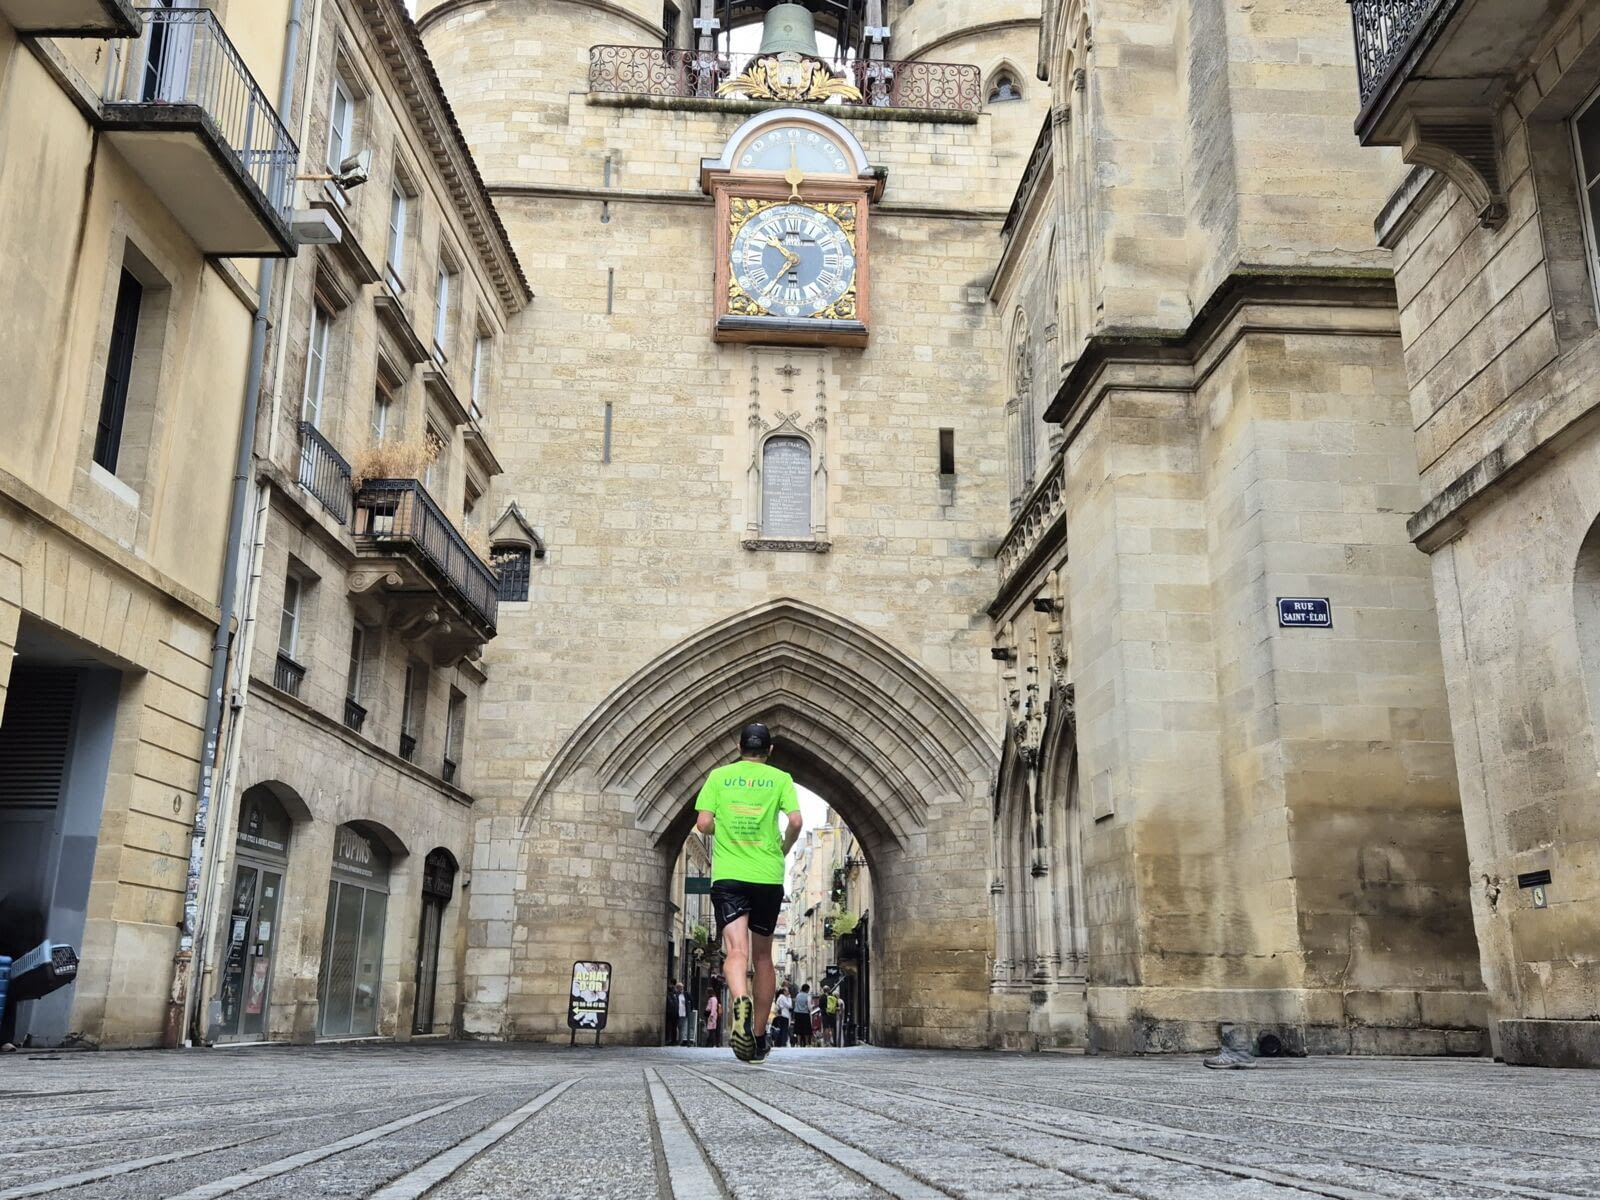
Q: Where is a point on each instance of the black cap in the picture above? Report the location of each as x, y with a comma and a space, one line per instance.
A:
755, 738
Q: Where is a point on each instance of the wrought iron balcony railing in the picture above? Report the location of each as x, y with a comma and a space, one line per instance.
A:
400, 511
324, 472
184, 69
1385, 31
697, 74
449, 772
408, 746
354, 715
287, 675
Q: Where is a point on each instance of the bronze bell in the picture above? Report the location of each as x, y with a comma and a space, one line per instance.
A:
789, 29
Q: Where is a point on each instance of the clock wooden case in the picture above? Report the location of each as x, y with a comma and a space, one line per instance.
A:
793, 251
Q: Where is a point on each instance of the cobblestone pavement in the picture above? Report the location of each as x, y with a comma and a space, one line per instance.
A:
474, 1120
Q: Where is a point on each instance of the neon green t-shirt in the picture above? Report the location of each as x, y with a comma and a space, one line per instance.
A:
746, 798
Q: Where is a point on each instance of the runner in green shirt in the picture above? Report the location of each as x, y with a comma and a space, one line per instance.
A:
739, 806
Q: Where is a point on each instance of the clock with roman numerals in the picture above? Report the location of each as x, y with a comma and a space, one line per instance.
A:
793, 195
793, 260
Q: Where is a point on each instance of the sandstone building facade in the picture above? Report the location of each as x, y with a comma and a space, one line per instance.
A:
1010, 411
1493, 237
334, 906
1187, 358
134, 210
1206, 812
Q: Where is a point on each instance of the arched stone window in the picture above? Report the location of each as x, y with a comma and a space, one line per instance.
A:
513, 547
1004, 87
786, 487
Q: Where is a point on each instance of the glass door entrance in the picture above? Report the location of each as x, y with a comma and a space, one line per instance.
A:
350, 985
249, 933
247, 959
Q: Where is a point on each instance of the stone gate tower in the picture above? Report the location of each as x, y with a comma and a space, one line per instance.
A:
751, 421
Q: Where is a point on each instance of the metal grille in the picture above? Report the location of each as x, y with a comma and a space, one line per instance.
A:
1385, 31
35, 733
400, 510
408, 746
287, 675
515, 566
354, 715
324, 472
697, 74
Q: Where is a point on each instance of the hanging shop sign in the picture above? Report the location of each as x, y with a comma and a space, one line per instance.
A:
591, 995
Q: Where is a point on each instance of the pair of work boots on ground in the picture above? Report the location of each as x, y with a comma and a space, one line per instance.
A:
748, 1046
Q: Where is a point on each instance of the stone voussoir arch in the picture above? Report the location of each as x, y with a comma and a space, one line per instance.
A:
836, 692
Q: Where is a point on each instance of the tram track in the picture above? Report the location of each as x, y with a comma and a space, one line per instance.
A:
1338, 1159
1275, 1118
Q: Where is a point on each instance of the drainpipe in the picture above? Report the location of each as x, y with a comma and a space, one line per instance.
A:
239, 506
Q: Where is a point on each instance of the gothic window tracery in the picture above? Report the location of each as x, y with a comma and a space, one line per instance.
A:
1004, 87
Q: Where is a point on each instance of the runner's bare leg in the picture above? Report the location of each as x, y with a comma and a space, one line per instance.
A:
736, 958
766, 981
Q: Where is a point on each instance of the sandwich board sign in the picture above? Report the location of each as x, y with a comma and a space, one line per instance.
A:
589, 999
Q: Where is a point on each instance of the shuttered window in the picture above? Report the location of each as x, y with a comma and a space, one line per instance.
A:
119, 372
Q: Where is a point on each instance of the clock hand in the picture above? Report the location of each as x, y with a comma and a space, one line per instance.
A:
793, 176
790, 257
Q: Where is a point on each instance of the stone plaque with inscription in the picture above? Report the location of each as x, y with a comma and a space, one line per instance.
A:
786, 488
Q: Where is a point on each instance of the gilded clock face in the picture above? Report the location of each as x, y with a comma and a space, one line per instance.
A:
796, 260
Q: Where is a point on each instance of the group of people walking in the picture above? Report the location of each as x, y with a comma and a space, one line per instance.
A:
798, 1017
802, 1018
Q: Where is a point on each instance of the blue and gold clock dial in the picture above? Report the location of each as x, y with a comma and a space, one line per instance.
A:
794, 260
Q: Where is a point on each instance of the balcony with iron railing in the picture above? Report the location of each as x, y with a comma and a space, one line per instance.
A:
287, 675
1431, 73
324, 472
433, 584
705, 75
190, 119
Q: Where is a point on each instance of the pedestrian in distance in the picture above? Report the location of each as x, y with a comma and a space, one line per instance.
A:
713, 1011
685, 1015
739, 806
802, 1016
830, 1016
780, 1028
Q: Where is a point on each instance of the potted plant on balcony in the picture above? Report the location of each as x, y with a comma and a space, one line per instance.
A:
387, 460
701, 936
844, 931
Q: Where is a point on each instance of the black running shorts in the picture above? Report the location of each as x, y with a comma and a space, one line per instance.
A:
734, 898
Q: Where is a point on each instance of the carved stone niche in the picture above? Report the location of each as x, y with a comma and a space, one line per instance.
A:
787, 414
399, 596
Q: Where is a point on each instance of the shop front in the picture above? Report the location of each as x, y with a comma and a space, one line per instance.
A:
350, 983
261, 856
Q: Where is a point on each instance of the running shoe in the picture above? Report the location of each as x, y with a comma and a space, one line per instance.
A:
763, 1048
740, 1037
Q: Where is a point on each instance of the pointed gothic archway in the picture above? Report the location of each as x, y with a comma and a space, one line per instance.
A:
892, 748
